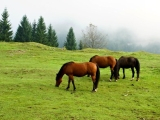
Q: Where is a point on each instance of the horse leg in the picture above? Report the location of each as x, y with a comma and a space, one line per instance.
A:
132, 68
137, 73
137, 76
68, 84
112, 72
74, 87
94, 86
118, 75
71, 79
124, 73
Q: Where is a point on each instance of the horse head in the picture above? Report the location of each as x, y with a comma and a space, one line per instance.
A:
58, 80
116, 72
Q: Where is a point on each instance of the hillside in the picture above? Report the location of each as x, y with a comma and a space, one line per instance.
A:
27, 86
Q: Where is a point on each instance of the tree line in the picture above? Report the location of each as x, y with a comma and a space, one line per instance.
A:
91, 37
38, 32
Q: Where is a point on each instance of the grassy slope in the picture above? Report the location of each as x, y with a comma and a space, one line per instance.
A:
27, 79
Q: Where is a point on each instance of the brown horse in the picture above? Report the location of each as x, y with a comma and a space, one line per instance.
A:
72, 69
127, 62
104, 61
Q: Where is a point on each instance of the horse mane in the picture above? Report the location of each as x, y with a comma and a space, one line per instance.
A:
64, 66
92, 58
122, 57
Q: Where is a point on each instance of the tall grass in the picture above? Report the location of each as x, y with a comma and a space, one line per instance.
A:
28, 92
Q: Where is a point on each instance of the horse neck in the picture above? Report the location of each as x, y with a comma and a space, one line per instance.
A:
61, 71
118, 66
60, 74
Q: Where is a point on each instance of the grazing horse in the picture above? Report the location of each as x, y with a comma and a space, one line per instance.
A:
127, 62
72, 69
104, 61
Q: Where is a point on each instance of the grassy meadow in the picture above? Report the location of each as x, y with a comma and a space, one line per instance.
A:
28, 92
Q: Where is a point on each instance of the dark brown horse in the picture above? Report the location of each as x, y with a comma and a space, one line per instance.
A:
72, 69
104, 61
127, 62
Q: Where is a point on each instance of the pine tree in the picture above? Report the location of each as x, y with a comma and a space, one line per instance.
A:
5, 27
55, 39
41, 35
52, 37
80, 45
70, 42
33, 35
24, 30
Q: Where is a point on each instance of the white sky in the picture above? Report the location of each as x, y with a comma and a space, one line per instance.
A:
142, 17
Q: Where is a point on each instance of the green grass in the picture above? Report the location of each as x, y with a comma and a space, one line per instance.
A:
28, 92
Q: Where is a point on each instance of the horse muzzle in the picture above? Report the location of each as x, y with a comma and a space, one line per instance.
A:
56, 85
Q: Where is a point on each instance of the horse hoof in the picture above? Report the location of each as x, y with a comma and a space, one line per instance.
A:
110, 80
94, 90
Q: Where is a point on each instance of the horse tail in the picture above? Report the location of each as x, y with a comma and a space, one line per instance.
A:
137, 67
97, 76
116, 70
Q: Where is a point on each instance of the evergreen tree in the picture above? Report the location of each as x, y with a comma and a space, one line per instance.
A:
52, 37
5, 27
80, 45
70, 42
24, 30
55, 40
41, 35
33, 35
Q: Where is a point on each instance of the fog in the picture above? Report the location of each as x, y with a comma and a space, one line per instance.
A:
132, 20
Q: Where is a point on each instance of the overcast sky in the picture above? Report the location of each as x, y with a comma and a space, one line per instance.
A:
141, 17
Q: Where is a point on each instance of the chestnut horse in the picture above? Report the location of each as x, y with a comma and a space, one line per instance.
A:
104, 61
72, 69
127, 62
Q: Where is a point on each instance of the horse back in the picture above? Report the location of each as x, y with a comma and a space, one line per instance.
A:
111, 60
103, 61
127, 62
81, 69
